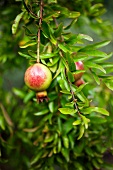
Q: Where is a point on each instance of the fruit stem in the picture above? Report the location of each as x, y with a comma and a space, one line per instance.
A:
39, 29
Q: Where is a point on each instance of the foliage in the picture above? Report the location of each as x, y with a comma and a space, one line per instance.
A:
72, 129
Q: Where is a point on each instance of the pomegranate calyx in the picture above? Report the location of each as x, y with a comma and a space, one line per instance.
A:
41, 96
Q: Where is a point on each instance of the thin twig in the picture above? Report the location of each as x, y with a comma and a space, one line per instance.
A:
6, 116
40, 23
56, 23
29, 11
74, 99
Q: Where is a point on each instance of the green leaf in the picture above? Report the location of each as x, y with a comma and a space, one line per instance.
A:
51, 106
52, 1
81, 87
97, 119
98, 45
43, 112
78, 165
85, 120
95, 109
70, 39
77, 122
59, 69
83, 36
71, 62
96, 78
96, 7
82, 97
65, 153
80, 56
92, 52
94, 65
32, 54
89, 151
49, 139
59, 145
51, 15
29, 33
70, 76
24, 55
16, 22
28, 96
2, 122
64, 62
72, 143
61, 84
65, 91
28, 44
67, 111
29, 11
67, 126
81, 132
109, 83
18, 92
73, 14
96, 164
63, 10
64, 48
64, 81
53, 61
70, 25
100, 59
65, 141
45, 29
47, 55
48, 32
52, 39
59, 30
37, 157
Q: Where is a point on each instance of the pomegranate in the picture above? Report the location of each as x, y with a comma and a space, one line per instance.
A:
38, 77
79, 82
79, 66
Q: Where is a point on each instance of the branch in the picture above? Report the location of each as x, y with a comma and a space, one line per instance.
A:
38, 34
74, 99
71, 91
29, 11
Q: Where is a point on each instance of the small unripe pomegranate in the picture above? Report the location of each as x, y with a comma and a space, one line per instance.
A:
38, 77
79, 82
79, 66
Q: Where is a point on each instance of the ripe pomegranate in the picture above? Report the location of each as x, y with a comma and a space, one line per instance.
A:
79, 82
38, 77
79, 66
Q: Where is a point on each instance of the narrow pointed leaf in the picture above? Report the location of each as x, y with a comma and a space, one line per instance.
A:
67, 110
77, 122
16, 22
95, 109
83, 36
81, 132
43, 112
94, 65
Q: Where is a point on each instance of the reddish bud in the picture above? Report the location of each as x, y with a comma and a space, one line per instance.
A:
79, 66
79, 82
